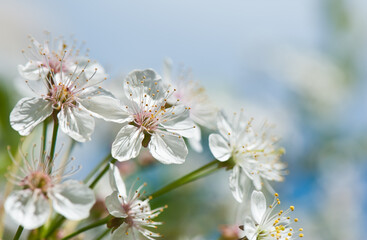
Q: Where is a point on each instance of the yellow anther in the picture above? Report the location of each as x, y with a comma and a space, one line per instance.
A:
296, 219
292, 208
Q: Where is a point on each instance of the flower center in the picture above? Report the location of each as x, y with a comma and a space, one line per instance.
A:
129, 220
37, 180
146, 120
61, 95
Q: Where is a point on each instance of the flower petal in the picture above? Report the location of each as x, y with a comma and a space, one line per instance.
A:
168, 148
258, 205
116, 181
124, 232
249, 228
72, 199
256, 179
32, 71
195, 141
223, 124
178, 121
28, 113
77, 123
93, 72
103, 104
237, 183
219, 147
28, 208
114, 205
140, 81
127, 143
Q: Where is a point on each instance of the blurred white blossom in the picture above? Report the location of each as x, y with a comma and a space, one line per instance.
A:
30, 206
253, 152
191, 94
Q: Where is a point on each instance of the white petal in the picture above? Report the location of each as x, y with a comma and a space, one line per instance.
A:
219, 147
32, 70
135, 87
195, 142
249, 228
235, 183
120, 233
114, 205
258, 205
223, 124
72, 199
89, 70
136, 76
256, 179
103, 104
127, 143
28, 208
178, 121
77, 123
168, 148
28, 113
116, 181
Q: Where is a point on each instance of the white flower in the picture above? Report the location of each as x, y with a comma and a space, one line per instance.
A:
133, 216
191, 94
150, 123
74, 99
31, 206
56, 56
266, 225
252, 152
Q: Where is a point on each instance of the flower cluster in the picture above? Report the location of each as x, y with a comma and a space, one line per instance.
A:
41, 184
266, 225
154, 112
252, 152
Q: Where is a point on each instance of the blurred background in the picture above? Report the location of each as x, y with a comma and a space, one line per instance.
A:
298, 64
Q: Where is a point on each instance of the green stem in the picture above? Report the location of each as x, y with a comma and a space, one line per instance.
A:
99, 166
53, 141
197, 174
18, 233
54, 225
44, 136
58, 221
93, 225
100, 175
103, 234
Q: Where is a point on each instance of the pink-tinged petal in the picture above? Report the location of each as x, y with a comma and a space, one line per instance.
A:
114, 205
28, 113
